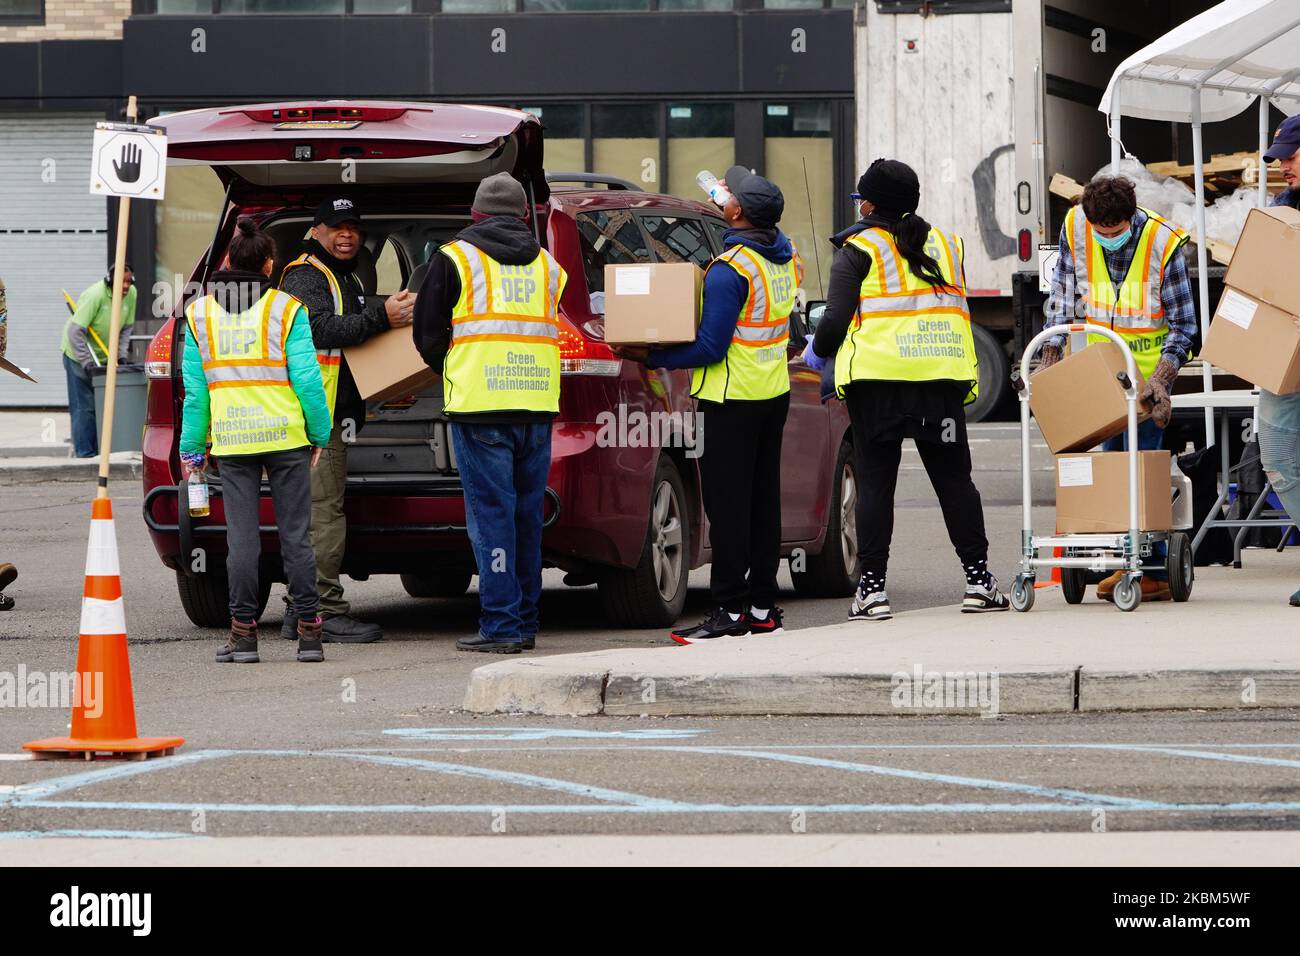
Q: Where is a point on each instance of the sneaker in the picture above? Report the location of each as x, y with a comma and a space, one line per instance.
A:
1295, 599
310, 650
774, 623
869, 607
8, 575
979, 599
488, 646
718, 624
6, 603
348, 630
241, 646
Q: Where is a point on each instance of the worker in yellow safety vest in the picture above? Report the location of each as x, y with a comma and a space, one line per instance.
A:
335, 279
252, 382
1123, 267
899, 329
487, 319
740, 376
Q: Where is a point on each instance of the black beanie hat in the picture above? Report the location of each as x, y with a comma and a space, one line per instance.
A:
892, 187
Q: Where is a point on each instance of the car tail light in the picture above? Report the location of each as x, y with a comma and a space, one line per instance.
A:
582, 355
158, 360
1025, 247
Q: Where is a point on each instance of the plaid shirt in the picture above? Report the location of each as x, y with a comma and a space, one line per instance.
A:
1175, 294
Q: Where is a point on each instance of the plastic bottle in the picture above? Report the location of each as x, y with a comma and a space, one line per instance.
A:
718, 193
198, 489
1182, 495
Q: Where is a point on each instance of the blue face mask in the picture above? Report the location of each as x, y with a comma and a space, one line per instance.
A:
1114, 243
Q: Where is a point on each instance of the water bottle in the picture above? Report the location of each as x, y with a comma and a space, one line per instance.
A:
718, 193
1182, 495
198, 488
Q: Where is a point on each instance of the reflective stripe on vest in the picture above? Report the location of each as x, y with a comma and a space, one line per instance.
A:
328, 359
505, 334
905, 329
1134, 310
754, 366
254, 409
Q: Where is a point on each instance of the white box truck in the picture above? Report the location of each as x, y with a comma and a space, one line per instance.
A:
986, 99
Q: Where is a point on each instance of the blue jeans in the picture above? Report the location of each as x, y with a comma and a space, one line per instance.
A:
81, 408
503, 469
1278, 425
1150, 437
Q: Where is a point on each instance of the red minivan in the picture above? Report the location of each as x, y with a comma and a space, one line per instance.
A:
624, 508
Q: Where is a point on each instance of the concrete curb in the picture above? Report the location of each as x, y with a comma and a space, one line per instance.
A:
1232, 647
34, 470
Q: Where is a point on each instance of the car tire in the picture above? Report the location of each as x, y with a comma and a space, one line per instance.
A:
994, 367
441, 583
653, 593
206, 597
834, 571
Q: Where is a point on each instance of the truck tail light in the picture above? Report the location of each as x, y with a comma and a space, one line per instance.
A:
1024, 246
158, 360
582, 355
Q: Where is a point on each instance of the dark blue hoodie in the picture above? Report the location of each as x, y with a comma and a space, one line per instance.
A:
725, 290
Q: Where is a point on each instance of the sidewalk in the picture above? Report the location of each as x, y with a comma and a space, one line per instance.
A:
34, 447
1236, 644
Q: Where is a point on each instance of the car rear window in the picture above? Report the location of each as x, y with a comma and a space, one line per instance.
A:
677, 239
609, 237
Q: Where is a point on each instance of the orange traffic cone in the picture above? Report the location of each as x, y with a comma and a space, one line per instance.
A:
106, 724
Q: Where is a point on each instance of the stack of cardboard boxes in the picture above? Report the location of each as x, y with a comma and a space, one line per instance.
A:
1079, 403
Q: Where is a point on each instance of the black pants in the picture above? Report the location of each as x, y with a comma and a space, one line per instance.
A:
741, 466
946, 462
289, 474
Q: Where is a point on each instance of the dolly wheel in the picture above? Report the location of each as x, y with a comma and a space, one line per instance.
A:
1128, 592
1181, 567
1022, 593
1074, 584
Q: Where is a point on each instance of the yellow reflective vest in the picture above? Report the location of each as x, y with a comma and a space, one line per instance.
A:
505, 335
754, 366
254, 407
905, 329
329, 359
1134, 309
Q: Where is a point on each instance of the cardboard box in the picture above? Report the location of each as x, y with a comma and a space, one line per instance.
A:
387, 365
1092, 492
653, 304
1253, 335
1079, 401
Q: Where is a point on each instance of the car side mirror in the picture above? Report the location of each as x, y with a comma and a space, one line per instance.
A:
816, 309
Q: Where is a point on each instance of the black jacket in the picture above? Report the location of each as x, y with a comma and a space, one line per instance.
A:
331, 331
509, 241
895, 409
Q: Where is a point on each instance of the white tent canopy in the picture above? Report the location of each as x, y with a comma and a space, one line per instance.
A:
1211, 68
1219, 61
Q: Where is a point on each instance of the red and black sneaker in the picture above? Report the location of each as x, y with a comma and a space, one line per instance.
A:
773, 623
719, 623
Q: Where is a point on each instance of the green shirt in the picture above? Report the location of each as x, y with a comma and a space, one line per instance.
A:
95, 313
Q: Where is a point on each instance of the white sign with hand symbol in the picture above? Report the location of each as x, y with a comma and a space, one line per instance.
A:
128, 160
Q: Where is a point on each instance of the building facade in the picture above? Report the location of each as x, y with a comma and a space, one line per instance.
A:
648, 90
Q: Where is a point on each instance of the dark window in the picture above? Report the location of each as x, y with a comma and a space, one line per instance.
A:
554, 6
609, 237
673, 239
22, 11
718, 229
283, 6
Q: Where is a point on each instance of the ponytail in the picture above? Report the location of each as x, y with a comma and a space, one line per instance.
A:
910, 234
250, 247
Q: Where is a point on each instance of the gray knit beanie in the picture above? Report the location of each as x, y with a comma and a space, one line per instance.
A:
500, 195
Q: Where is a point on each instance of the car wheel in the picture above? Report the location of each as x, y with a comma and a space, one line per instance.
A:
653, 593
440, 583
206, 596
994, 367
834, 571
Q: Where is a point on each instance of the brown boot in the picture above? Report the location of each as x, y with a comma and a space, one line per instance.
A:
310, 649
241, 646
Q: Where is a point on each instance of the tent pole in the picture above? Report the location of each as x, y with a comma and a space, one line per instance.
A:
1263, 145
1115, 154
1202, 263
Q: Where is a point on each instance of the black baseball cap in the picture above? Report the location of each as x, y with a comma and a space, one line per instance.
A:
761, 200
337, 210
1286, 140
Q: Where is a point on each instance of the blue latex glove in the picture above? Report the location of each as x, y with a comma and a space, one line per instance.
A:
812, 359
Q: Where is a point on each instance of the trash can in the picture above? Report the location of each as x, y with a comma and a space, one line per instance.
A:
128, 410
